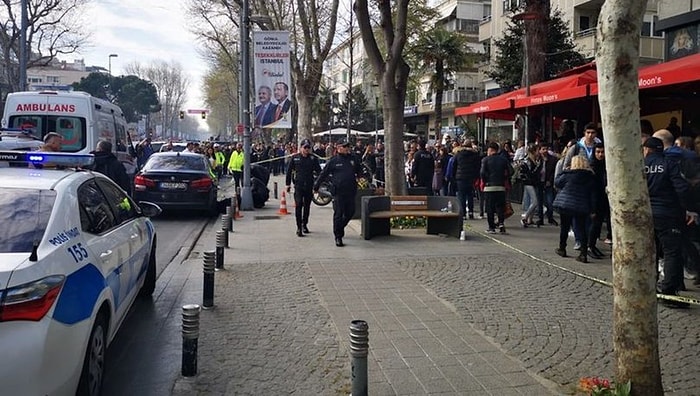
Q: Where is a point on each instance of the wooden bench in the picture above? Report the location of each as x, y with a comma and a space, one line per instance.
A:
377, 212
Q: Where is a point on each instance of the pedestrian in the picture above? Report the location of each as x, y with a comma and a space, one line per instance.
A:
495, 171
602, 209
302, 170
530, 170
667, 192
343, 169
143, 152
545, 190
109, 165
575, 201
465, 169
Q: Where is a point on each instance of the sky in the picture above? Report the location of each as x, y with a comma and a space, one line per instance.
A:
143, 31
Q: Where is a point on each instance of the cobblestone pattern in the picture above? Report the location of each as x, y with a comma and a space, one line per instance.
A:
275, 338
556, 323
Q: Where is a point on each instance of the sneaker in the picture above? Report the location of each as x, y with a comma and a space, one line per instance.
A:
608, 241
582, 258
502, 228
305, 229
490, 231
560, 251
594, 252
524, 222
471, 216
577, 246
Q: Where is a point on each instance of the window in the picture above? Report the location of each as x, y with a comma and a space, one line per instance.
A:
96, 216
121, 205
584, 23
24, 215
648, 27
73, 129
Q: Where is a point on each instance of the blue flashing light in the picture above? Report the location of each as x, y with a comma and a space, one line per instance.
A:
69, 160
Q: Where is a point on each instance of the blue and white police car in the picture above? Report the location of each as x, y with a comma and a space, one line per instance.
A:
75, 252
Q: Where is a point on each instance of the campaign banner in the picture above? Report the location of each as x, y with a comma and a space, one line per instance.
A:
273, 105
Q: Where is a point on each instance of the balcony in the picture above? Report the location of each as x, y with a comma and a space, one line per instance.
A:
649, 47
451, 98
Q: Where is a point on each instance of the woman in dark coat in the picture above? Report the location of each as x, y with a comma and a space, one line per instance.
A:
575, 200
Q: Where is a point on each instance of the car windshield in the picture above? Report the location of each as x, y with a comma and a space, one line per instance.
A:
175, 163
24, 215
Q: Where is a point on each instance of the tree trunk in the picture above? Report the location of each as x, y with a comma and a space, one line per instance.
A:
439, 89
635, 330
304, 103
536, 37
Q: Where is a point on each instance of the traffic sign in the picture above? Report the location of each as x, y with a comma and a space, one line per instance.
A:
197, 111
240, 128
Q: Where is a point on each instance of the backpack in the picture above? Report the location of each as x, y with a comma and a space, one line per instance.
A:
521, 172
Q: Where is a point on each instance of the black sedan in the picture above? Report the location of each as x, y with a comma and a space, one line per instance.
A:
178, 181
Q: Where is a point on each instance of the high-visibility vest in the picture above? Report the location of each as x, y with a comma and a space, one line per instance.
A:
235, 163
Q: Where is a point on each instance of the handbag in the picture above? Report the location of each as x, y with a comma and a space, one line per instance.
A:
508, 210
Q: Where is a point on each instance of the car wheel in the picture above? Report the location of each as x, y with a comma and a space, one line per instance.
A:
149, 284
93, 371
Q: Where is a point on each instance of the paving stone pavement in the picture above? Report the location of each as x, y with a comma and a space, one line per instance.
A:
445, 316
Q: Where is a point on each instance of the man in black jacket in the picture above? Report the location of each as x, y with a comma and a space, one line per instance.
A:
303, 167
466, 170
667, 189
423, 168
108, 164
343, 170
495, 170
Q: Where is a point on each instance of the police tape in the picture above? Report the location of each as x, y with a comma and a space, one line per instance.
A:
682, 299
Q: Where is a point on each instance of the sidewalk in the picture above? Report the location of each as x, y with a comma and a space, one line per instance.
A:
283, 305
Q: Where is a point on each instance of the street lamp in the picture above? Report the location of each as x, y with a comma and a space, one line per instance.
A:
525, 17
110, 62
245, 21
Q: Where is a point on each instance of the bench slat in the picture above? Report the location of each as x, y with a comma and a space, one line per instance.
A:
416, 213
408, 202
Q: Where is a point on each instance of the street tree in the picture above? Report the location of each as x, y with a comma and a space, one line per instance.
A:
442, 53
635, 329
135, 96
322, 109
171, 85
361, 115
391, 72
221, 97
54, 28
312, 26
559, 53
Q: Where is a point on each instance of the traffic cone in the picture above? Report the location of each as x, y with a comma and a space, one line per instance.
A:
283, 204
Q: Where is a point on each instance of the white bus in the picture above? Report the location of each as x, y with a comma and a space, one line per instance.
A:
82, 121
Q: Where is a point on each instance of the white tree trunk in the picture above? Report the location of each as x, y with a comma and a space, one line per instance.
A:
635, 330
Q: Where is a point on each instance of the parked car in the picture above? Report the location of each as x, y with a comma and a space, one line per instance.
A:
75, 251
178, 181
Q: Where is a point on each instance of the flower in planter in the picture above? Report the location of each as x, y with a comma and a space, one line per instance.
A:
596, 386
407, 222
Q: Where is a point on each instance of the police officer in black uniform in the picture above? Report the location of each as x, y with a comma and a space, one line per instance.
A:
343, 170
303, 167
667, 189
423, 168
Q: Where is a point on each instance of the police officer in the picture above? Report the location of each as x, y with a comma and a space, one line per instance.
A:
666, 191
303, 167
423, 168
343, 170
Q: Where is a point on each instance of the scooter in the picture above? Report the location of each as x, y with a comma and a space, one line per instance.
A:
323, 196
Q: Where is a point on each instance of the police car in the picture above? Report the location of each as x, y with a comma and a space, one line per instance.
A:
75, 251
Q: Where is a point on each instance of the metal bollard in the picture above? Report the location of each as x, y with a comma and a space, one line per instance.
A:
359, 348
208, 268
231, 212
190, 339
275, 189
226, 222
221, 243
234, 205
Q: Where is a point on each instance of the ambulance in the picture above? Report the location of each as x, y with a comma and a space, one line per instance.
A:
81, 119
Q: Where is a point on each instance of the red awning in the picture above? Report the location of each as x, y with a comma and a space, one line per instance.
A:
559, 89
678, 71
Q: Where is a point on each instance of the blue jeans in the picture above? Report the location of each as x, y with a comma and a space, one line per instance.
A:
545, 198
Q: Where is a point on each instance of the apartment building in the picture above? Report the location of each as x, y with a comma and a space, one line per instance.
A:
679, 21
582, 17
347, 61
59, 75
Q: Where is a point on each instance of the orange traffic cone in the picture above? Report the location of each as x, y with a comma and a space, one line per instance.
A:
283, 204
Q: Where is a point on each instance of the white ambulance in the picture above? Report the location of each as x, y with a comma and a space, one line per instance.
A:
81, 119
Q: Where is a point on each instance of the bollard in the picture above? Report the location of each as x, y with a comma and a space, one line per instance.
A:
208, 268
226, 222
359, 348
231, 212
275, 189
190, 338
234, 205
221, 243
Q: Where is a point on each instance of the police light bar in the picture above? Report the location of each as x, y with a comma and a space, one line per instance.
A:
69, 160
